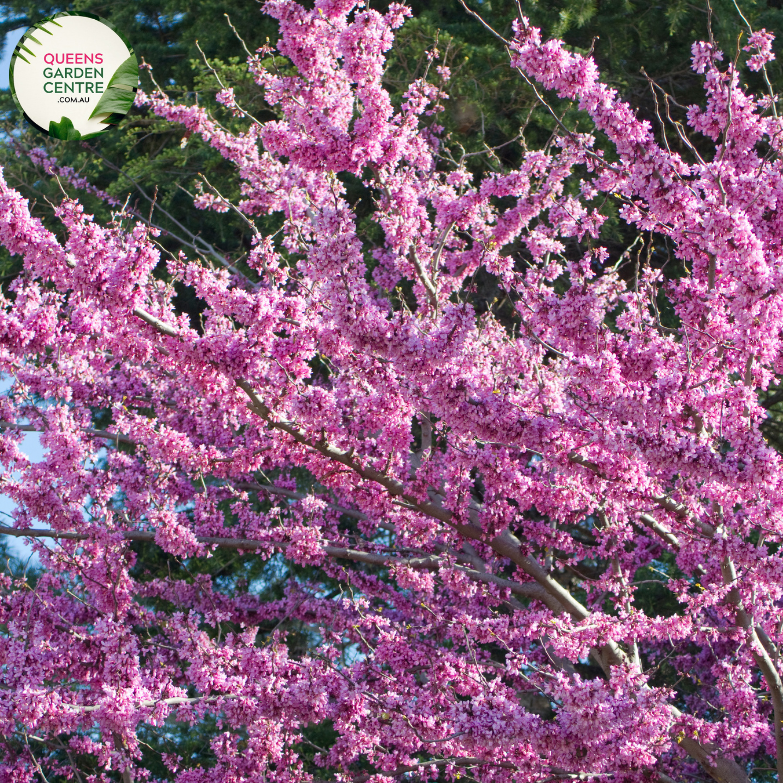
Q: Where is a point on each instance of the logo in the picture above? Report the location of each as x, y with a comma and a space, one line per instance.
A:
73, 76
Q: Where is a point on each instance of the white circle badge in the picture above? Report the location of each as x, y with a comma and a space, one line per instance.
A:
73, 76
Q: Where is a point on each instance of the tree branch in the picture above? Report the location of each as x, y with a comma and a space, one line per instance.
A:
429, 563
760, 656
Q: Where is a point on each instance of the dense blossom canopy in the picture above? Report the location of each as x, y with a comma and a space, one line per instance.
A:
473, 500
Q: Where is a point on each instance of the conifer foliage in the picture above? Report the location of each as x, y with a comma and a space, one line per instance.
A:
536, 541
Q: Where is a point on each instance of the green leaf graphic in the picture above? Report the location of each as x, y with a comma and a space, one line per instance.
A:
113, 100
113, 119
64, 130
119, 93
127, 74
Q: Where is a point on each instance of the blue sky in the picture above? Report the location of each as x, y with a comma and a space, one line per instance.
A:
11, 40
32, 447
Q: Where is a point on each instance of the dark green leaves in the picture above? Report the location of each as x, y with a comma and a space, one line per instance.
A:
64, 130
119, 93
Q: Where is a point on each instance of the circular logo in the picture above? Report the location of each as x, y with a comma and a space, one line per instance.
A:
73, 76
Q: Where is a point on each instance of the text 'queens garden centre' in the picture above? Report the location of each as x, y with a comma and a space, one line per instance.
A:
81, 80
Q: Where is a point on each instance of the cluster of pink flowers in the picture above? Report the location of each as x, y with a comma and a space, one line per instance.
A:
487, 492
761, 43
68, 174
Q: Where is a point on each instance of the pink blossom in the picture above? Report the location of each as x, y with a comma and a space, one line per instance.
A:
761, 43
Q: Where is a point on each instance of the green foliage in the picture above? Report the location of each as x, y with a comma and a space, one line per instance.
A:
653, 596
64, 130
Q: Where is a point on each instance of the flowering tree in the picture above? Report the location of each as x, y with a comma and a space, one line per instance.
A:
470, 507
